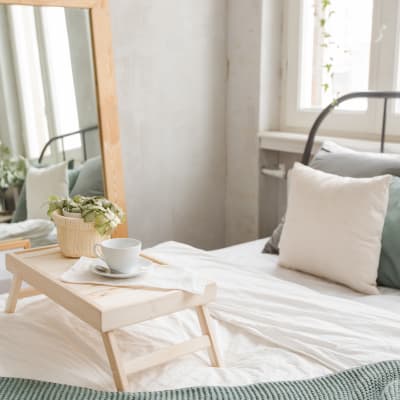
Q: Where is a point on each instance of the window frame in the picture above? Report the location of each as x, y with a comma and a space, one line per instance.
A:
384, 65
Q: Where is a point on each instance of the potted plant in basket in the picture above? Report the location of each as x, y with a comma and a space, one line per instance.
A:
82, 222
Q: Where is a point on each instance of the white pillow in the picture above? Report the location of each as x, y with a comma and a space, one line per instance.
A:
334, 225
41, 183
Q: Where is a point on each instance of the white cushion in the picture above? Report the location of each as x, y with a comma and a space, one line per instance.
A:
334, 225
41, 183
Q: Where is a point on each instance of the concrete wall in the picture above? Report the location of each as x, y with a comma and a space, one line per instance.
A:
171, 84
254, 45
271, 191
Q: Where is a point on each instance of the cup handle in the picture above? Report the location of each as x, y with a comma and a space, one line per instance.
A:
98, 252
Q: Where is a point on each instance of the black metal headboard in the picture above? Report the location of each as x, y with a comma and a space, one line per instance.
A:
82, 133
384, 95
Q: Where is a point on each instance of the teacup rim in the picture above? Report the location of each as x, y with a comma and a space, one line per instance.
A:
135, 243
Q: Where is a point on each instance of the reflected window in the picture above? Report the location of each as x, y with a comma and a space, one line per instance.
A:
29, 79
60, 75
45, 77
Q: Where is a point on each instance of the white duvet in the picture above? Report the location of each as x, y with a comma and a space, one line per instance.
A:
40, 231
268, 329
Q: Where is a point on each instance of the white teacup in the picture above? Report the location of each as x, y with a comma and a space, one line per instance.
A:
121, 254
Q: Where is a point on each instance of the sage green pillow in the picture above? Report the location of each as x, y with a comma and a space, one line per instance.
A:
389, 264
90, 179
20, 213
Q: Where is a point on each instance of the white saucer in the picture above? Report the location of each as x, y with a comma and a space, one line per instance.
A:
143, 264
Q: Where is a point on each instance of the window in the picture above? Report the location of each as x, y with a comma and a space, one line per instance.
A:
334, 47
334, 55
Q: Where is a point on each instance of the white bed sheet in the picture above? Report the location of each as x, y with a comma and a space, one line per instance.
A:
268, 328
40, 232
250, 255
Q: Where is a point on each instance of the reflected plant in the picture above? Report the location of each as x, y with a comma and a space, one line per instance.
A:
12, 169
104, 214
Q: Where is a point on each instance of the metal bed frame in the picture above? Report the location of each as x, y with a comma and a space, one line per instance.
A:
384, 95
82, 133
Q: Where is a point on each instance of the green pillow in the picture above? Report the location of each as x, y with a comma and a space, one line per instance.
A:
90, 179
72, 178
20, 213
389, 263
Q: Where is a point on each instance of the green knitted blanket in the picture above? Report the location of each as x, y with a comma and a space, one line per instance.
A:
372, 382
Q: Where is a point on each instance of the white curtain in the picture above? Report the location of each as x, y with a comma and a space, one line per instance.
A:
10, 111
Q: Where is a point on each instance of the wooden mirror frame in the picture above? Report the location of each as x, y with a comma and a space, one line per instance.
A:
105, 90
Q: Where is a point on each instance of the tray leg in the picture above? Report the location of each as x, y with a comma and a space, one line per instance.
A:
206, 329
114, 358
13, 294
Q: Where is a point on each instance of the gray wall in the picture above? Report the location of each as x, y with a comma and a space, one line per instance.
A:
253, 104
171, 84
197, 79
273, 191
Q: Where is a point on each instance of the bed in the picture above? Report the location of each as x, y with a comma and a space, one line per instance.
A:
272, 324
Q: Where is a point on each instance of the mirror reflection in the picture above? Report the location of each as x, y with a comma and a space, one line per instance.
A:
48, 116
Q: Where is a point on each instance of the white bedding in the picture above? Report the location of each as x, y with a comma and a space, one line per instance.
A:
40, 232
250, 256
35, 229
272, 324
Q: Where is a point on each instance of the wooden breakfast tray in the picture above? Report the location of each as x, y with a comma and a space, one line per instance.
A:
107, 308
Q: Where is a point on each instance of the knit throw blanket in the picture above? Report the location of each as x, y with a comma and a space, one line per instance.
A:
379, 381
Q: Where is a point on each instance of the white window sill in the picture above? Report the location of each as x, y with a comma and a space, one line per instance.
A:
291, 142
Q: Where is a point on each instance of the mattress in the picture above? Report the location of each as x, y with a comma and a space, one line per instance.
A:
250, 256
271, 324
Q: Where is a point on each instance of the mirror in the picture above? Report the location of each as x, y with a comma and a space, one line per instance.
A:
49, 124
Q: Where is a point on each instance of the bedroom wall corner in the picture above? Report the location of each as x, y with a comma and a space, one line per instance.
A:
171, 83
253, 104
271, 191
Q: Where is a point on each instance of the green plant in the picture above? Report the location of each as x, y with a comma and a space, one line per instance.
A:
328, 43
12, 169
104, 214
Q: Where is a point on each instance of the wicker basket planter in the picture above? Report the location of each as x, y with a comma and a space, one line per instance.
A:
76, 237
